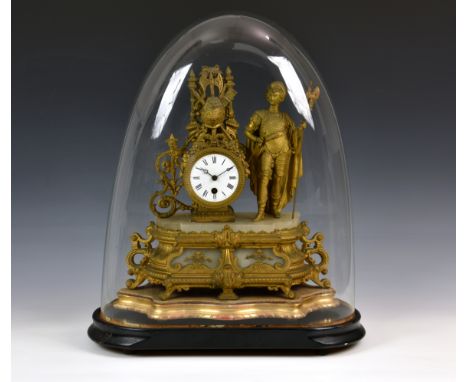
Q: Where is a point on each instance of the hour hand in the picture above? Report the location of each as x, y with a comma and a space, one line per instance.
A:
205, 171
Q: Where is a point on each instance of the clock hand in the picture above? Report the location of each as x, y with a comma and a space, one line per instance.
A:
228, 169
205, 171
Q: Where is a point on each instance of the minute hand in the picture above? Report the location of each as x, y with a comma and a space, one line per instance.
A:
228, 169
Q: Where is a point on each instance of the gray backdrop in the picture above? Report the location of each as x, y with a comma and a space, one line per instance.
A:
389, 68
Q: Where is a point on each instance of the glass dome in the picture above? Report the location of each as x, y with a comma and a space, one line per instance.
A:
231, 202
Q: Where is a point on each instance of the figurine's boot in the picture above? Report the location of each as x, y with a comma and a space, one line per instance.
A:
275, 210
262, 198
260, 213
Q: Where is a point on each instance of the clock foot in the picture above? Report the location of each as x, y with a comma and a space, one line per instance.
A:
206, 215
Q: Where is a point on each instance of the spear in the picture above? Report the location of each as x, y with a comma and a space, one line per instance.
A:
312, 95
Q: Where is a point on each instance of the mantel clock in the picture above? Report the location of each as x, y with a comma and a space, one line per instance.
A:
249, 246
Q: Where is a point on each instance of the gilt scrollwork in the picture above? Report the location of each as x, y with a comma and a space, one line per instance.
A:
164, 203
143, 247
311, 247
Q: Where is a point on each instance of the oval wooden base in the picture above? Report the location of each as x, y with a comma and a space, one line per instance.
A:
219, 338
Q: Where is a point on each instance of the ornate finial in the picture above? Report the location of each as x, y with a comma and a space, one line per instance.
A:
172, 142
212, 77
229, 76
192, 80
312, 94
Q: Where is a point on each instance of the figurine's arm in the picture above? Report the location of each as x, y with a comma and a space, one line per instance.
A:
252, 127
291, 125
294, 132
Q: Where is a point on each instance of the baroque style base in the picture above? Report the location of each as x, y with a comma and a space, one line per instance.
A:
275, 254
225, 338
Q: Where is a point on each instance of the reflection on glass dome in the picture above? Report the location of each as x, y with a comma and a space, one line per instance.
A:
234, 143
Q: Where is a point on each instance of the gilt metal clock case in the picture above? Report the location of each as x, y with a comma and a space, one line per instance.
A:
232, 189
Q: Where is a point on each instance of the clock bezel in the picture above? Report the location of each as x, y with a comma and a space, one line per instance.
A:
188, 185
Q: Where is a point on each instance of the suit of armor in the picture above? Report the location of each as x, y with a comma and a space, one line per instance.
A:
275, 163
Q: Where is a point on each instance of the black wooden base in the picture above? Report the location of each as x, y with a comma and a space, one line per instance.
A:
202, 338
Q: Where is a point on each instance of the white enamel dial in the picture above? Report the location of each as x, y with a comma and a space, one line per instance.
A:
214, 177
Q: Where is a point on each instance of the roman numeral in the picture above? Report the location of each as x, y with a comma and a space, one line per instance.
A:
195, 177
214, 196
223, 193
230, 186
205, 193
198, 187
223, 161
233, 177
213, 159
205, 162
